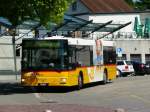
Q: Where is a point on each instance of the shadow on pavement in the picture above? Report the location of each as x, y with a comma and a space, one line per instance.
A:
7, 88
15, 88
12, 88
54, 108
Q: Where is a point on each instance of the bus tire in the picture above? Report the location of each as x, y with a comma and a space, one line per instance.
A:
80, 82
105, 78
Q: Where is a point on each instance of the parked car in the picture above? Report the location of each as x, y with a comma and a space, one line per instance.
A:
147, 65
124, 68
139, 68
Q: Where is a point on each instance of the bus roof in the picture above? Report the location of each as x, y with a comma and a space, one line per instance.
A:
108, 43
76, 41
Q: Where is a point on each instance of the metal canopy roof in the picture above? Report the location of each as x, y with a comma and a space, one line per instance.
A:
72, 23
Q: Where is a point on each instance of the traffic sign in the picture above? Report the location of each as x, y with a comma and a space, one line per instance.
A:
119, 52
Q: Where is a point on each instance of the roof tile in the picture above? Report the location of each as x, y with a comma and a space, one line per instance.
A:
107, 6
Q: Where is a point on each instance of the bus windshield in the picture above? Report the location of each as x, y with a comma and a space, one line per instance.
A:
46, 54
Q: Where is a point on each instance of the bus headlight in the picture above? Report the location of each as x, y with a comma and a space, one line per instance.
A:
63, 80
22, 80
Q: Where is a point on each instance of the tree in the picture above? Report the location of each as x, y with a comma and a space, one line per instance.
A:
44, 11
143, 4
17, 11
130, 2
139, 4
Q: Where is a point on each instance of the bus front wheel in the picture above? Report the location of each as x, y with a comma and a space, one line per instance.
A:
80, 82
104, 77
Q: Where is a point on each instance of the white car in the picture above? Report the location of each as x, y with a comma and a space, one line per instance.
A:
124, 68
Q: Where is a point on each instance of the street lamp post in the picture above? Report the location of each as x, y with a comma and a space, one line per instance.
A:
13, 33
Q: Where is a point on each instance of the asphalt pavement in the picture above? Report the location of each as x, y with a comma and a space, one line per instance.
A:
52, 108
131, 94
10, 84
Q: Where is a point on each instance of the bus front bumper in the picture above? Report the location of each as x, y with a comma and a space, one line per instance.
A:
48, 81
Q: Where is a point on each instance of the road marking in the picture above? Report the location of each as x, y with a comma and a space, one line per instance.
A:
140, 98
48, 111
41, 97
120, 110
43, 100
37, 95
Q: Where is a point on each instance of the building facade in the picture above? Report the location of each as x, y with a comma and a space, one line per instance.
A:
7, 64
100, 11
134, 49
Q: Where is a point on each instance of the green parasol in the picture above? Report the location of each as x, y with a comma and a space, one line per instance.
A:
138, 27
147, 28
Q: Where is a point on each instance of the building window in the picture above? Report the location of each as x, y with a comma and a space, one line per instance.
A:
17, 52
147, 58
74, 6
136, 57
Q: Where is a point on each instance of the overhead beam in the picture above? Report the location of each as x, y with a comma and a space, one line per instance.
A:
58, 27
61, 25
83, 25
6, 25
37, 26
116, 29
100, 27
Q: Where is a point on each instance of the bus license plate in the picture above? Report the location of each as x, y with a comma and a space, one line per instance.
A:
43, 84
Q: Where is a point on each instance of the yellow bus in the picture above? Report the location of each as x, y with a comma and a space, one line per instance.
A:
60, 61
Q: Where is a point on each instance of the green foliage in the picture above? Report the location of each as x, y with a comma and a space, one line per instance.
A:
143, 4
130, 2
17, 11
139, 4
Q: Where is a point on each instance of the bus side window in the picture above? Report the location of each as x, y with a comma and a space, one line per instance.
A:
70, 52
